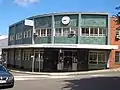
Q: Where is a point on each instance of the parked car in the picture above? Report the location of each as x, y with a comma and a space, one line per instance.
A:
6, 78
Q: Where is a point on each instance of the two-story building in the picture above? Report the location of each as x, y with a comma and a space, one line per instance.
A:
63, 42
115, 40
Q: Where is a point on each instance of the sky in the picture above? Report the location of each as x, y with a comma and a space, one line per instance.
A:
12, 11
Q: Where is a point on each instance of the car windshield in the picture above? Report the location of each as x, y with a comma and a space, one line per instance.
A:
2, 68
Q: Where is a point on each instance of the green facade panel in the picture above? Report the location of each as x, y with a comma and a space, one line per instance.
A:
73, 21
43, 22
40, 40
93, 21
92, 40
65, 40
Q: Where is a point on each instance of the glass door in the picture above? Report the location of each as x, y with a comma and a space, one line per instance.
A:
38, 60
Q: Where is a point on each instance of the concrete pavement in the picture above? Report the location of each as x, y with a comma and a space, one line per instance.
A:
67, 73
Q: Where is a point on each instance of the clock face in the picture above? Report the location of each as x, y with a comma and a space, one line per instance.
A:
66, 20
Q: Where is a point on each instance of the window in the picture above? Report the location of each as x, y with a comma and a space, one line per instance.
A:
93, 31
101, 31
29, 33
85, 31
97, 57
66, 31
11, 37
58, 32
25, 34
43, 32
117, 56
27, 55
38, 32
18, 36
93, 57
48, 32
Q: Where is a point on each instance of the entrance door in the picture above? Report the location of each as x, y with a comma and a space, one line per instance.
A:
69, 60
38, 60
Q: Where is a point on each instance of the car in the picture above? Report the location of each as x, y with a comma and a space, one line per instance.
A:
6, 78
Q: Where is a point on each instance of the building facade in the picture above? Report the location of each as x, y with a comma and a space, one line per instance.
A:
115, 39
62, 42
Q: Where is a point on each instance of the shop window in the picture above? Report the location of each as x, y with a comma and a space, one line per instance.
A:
27, 55
101, 57
93, 57
97, 57
117, 56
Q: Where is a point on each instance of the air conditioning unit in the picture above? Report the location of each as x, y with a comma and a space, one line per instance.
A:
72, 32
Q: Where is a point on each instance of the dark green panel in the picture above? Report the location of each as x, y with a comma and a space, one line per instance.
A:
40, 40
65, 40
97, 66
92, 40
27, 41
94, 20
73, 21
43, 22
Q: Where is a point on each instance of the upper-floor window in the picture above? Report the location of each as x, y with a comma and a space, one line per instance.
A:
93, 31
44, 32
118, 34
11, 37
66, 31
58, 32
18, 36
85, 31
27, 34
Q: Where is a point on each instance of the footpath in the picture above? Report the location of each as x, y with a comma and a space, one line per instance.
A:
68, 73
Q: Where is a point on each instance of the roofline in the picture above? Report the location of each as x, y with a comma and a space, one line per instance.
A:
60, 13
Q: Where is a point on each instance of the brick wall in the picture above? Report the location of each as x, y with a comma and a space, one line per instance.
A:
113, 27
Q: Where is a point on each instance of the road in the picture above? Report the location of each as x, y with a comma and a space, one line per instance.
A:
103, 81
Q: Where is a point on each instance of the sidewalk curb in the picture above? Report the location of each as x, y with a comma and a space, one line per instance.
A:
65, 73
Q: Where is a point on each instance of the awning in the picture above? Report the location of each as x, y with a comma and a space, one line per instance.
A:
79, 46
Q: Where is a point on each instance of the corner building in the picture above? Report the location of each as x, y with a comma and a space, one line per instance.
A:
62, 42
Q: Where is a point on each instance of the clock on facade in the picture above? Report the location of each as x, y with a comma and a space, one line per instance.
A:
65, 20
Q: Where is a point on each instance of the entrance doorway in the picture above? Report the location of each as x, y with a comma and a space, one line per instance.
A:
50, 60
38, 64
68, 60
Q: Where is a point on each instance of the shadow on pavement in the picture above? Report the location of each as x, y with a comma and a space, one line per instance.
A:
96, 83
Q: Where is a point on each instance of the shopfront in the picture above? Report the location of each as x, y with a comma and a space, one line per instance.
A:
58, 57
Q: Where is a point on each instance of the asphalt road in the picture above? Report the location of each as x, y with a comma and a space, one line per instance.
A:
103, 81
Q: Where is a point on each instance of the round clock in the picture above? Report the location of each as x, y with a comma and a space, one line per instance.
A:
65, 20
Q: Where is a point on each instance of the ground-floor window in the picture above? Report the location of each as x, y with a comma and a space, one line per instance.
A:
117, 56
97, 57
17, 55
27, 55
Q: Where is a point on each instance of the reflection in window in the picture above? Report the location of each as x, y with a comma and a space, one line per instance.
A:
58, 32
66, 31
97, 57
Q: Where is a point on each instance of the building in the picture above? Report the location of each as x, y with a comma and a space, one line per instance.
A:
61, 42
3, 43
115, 39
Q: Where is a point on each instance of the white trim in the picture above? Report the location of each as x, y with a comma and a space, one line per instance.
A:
85, 46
